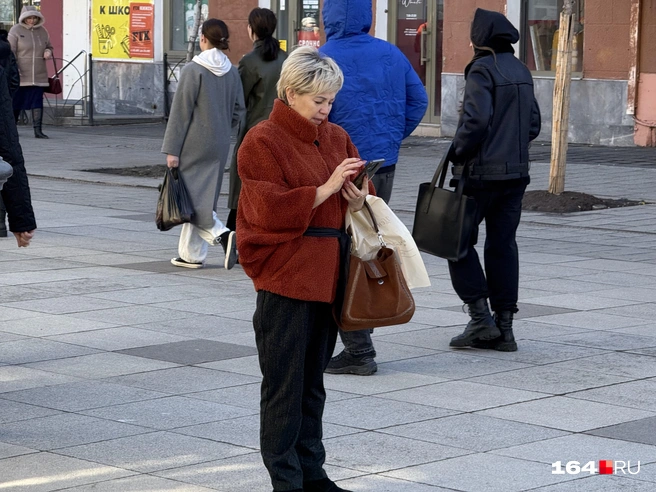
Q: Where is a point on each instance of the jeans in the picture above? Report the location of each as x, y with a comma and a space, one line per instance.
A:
294, 342
501, 208
359, 342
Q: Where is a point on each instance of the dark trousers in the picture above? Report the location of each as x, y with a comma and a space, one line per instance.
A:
359, 342
501, 208
294, 342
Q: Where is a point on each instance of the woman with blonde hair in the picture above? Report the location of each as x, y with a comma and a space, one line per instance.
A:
296, 170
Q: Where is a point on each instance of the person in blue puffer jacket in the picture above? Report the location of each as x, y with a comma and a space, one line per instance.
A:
381, 103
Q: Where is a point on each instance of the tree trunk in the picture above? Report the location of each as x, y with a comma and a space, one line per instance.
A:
194, 35
561, 101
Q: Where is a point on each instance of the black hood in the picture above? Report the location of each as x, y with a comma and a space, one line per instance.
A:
493, 30
5, 50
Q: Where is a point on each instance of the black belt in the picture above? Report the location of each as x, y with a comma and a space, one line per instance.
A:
344, 257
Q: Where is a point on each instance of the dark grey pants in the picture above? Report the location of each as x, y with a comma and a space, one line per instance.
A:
294, 342
359, 342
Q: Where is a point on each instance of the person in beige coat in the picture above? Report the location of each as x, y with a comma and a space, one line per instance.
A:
30, 44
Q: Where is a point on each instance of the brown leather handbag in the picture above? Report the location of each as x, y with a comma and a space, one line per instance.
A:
376, 292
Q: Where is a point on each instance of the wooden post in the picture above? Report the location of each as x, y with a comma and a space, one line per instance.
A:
194, 35
561, 100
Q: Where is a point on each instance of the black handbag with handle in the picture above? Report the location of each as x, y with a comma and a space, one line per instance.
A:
444, 219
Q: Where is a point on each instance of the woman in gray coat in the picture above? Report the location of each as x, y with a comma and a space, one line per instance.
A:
259, 71
208, 102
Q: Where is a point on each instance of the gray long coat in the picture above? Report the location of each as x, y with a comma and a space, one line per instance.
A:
205, 109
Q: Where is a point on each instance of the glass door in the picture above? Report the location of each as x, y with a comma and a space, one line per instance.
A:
298, 23
418, 34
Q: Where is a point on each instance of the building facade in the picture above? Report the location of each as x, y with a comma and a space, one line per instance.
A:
614, 71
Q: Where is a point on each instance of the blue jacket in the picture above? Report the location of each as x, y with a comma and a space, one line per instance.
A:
383, 99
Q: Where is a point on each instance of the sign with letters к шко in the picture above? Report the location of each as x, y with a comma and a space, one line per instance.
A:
116, 35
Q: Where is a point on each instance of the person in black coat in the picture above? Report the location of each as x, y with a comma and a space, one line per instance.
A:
16, 191
500, 116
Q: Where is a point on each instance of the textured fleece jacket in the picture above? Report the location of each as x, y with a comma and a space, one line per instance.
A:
282, 161
29, 43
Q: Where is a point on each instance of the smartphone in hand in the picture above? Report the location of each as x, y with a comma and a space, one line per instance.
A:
370, 168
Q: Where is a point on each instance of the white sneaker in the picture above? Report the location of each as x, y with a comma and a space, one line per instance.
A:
186, 264
229, 242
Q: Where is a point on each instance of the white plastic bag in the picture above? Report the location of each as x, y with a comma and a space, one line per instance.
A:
365, 243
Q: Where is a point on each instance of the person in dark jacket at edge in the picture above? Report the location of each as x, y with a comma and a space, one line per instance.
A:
500, 116
381, 103
15, 195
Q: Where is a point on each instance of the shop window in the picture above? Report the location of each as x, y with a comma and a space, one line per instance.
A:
541, 29
182, 23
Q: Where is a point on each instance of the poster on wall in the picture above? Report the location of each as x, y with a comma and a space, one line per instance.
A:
309, 33
122, 30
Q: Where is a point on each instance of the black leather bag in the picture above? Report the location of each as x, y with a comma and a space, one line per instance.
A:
444, 219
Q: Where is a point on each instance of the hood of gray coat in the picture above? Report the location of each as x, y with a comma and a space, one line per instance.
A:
31, 11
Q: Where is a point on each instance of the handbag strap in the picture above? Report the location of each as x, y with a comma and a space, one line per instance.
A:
54, 64
440, 173
375, 223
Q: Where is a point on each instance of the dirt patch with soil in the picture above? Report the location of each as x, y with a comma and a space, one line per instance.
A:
570, 201
154, 171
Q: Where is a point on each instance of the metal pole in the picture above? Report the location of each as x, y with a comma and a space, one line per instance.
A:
90, 89
166, 86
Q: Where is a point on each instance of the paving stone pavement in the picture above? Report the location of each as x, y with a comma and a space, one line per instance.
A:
120, 372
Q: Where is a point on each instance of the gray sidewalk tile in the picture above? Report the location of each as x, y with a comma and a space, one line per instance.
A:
21, 293
47, 325
534, 330
463, 396
10, 314
12, 411
565, 286
619, 279
390, 381
132, 315
15, 378
191, 351
238, 474
387, 452
600, 483
139, 484
592, 320
634, 394
241, 431
148, 295
581, 302
46, 472
245, 396
248, 365
100, 366
200, 326
182, 380
617, 364
119, 338
482, 472
646, 311
10, 450
581, 448
474, 432
643, 431
539, 352
154, 452
80, 395
168, 413
9, 337
609, 341
608, 265
647, 474
550, 379
454, 365
388, 352
35, 350
567, 413
380, 483
60, 431
373, 413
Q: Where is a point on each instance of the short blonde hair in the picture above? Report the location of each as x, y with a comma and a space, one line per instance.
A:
306, 71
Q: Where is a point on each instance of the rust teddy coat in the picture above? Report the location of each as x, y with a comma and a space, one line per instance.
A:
281, 162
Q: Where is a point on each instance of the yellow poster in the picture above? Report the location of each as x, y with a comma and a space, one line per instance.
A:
110, 29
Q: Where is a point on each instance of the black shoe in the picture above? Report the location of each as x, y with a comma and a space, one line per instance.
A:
186, 264
345, 363
323, 485
481, 326
37, 122
229, 242
39, 134
504, 343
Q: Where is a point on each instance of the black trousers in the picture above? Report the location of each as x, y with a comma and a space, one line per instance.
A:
501, 208
294, 342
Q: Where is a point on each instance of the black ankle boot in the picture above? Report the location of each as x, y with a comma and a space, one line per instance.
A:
37, 122
505, 342
323, 485
481, 326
